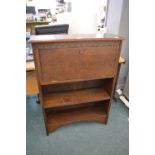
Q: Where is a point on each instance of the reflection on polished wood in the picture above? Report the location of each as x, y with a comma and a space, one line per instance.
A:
73, 38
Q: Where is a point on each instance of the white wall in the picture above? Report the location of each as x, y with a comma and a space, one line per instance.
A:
118, 23
83, 18
43, 4
124, 31
114, 15
79, 24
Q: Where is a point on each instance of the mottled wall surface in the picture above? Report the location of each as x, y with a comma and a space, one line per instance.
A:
118, 23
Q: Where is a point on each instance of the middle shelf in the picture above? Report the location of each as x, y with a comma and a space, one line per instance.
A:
73, 97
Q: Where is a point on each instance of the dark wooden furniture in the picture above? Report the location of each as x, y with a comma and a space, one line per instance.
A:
76, 76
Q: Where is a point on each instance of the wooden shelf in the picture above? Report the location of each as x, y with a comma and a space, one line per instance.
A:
75, 80
59, 118
68, 98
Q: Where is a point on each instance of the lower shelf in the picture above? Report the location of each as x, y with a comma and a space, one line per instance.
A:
55, 119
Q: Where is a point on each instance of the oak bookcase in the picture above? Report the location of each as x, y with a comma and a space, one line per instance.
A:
76, 76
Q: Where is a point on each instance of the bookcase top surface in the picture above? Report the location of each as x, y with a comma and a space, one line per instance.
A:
73, 37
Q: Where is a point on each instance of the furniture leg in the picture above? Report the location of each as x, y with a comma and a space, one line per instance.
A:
121, 61
38, 100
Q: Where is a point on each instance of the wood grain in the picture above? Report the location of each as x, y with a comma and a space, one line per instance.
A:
31, 83
30, 65
68, 98
60, 118
100, 61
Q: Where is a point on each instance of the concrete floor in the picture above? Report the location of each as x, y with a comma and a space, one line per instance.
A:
85, 138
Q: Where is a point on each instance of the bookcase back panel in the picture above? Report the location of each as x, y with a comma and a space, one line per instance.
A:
65, 64
53, 88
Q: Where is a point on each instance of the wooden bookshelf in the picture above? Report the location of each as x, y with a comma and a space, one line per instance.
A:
68, 98
76, 75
